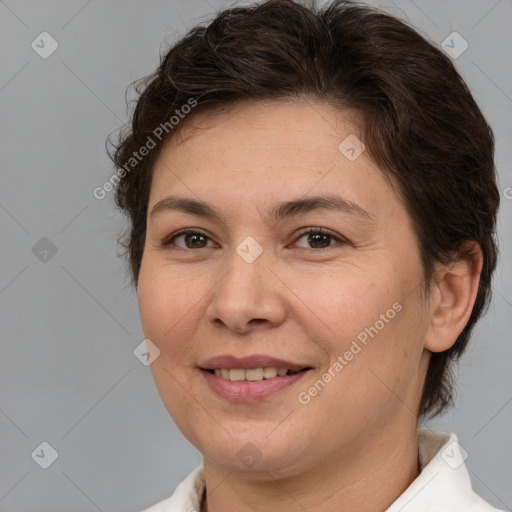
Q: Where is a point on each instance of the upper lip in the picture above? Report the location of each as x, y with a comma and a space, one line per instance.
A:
255, 361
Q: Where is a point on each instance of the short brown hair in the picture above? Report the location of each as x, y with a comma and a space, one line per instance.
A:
422, 126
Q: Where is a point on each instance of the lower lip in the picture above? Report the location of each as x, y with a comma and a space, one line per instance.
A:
245, 391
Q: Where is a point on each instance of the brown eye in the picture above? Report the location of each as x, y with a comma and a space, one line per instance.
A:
320, 238
192, 240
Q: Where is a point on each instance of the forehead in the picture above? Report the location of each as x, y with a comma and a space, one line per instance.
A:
290, 124
263, 152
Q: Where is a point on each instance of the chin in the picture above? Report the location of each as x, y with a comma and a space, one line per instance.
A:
253, 458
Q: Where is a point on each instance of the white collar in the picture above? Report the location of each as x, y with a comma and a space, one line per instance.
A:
443, 484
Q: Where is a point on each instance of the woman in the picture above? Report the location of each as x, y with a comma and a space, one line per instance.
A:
312, 204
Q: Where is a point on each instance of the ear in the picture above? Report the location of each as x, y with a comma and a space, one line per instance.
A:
453, 295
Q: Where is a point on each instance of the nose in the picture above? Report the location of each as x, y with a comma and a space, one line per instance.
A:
248, 297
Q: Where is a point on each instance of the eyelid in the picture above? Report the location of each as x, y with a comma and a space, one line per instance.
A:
324, 231
168, 241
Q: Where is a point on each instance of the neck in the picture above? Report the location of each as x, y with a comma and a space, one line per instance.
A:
369, 477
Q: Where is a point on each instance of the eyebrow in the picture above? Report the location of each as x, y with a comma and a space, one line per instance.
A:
277, 213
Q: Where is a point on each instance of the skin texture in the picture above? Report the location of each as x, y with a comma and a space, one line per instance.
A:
352, 446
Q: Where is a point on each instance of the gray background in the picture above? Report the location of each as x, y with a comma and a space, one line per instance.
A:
69, 325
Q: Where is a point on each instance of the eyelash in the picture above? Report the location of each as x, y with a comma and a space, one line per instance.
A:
168, 242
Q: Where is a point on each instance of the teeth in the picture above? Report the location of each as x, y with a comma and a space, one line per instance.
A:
237, 374
270, 373
252, 374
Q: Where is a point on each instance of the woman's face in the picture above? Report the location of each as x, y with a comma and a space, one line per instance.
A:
344, 306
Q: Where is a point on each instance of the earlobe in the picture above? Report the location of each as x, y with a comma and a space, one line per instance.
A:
452, 299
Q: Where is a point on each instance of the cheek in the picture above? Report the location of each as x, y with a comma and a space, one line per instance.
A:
349, 305
378, 372
169, 311
373, 325
169, 307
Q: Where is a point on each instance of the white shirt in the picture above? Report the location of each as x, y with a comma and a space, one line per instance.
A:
443, 484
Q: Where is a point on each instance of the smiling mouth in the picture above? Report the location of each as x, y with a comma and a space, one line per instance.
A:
253, 374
